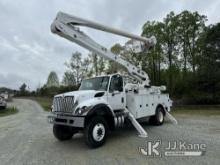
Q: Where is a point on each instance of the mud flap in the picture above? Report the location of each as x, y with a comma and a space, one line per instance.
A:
170, 117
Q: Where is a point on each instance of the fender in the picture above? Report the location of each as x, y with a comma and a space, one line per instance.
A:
162, 106
105, 111
88, 107
101, 109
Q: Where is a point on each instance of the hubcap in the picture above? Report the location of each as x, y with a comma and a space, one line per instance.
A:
98, 132
160, 116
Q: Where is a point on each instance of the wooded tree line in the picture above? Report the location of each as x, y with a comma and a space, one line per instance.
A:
186, 59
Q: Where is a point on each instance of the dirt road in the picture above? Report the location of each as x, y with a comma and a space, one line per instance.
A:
26, 138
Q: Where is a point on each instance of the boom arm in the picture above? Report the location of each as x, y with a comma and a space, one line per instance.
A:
66, 26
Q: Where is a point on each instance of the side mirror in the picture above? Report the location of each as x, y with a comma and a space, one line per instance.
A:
115, 93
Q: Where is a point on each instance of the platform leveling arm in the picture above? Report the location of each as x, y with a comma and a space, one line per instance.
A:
170, 117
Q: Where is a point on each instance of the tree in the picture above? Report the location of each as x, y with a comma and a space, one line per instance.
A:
126, 54
151, 62
112, 66
95, 63
164, 54
23, 88
177, 49
85, 67
209, 68
75, 66
98, 64
52, 80
78, 67
68, 79
190, 27
170, 46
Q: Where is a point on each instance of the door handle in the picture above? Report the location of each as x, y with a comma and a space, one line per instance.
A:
115, 93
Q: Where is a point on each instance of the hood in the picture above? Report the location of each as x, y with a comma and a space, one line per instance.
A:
82, 94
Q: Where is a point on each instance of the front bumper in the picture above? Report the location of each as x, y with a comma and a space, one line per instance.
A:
68, 120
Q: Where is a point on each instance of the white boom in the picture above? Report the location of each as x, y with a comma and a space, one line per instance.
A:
66, 26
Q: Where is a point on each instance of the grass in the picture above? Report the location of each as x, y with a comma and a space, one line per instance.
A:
196, 110
45, 102
8, 111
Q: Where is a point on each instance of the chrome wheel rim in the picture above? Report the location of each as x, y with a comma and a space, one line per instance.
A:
98, 132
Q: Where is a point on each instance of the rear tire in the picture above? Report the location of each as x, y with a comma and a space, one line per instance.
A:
158, 118
62, 132
96, 132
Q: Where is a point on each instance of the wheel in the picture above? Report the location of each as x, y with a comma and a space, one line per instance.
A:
96, 132
158, 118
62, 132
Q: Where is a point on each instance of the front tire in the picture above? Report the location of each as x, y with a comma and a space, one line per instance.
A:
96, 132
62, 132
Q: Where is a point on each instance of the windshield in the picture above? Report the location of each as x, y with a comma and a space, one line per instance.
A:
97, 83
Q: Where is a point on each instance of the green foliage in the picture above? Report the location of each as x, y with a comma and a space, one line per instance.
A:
23, 91
52, 91
74, 66
23, 87
208, 77
185, 57
153, 59
97, 65
112, 66
45, 102
78, 67
52, 80
8, 111
68, 79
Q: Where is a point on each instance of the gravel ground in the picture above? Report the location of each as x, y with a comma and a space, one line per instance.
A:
26, 138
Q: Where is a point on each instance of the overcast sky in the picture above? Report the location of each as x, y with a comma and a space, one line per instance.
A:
29, 51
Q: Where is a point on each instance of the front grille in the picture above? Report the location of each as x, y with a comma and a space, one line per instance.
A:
63, 104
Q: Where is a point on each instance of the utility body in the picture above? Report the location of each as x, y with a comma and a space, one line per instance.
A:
107, 102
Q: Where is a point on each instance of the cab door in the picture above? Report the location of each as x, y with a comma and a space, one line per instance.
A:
116, 94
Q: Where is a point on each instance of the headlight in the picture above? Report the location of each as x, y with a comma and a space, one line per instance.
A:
81, 110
